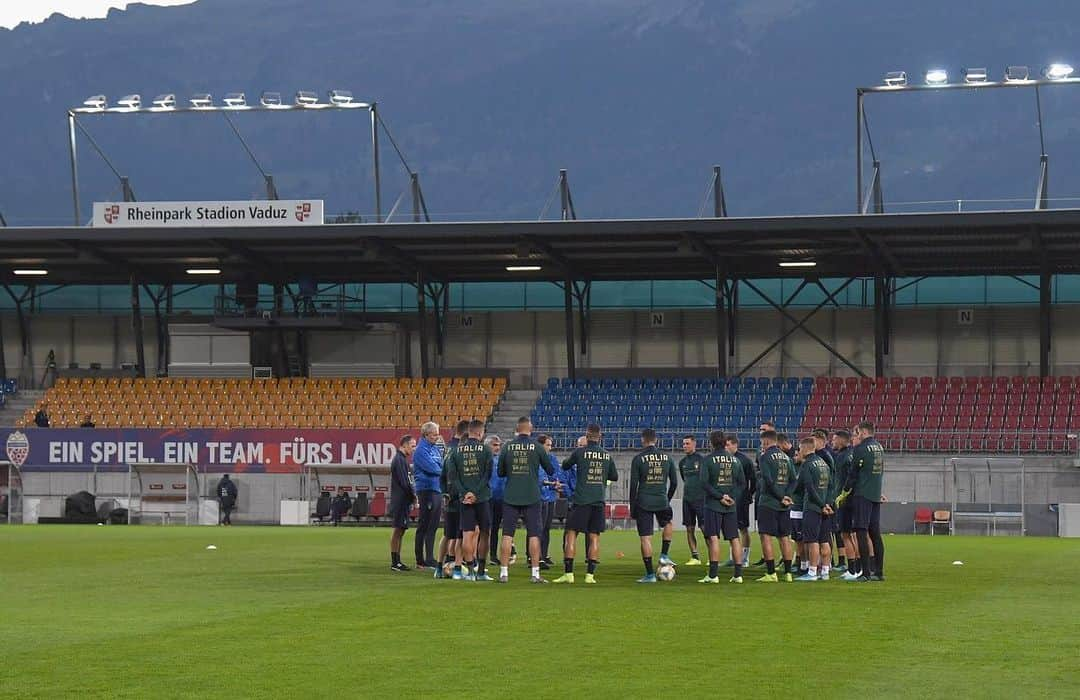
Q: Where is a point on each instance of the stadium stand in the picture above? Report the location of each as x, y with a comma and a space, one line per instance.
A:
912, 414
953, 414
672, 406
268, 403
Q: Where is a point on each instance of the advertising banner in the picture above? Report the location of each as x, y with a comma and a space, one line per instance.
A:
212, 450
281, 212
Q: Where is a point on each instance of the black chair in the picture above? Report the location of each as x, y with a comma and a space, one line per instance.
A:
322, 507
359, 507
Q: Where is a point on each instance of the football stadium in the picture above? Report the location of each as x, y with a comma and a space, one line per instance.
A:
256, 449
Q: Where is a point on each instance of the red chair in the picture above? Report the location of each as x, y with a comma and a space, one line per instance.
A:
923, 516
377, 507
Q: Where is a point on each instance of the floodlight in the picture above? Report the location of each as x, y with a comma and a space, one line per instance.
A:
896, 78
203, 271
1058, 71
96, 102
235, 99
937, 76
165, 101
523, 268
1016, 74
341, 97
130, 101
975, 75
798, 263
270, 99
202, 100
306, 99
30, 272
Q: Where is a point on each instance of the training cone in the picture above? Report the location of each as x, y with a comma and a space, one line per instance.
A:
958, 563
210, 546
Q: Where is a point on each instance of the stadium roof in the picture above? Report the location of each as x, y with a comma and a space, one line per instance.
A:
902, 245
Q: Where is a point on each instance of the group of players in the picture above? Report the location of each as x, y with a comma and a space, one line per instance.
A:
805, 496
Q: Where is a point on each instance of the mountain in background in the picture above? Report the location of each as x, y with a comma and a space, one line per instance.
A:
488, 99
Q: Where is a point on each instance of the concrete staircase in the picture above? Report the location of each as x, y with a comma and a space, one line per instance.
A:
16, 405
515, 403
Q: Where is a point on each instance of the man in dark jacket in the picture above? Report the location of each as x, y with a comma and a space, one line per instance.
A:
340, 506
41, 418
226, 493
402, 497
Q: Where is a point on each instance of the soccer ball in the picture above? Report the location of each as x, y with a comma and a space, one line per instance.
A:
666, 573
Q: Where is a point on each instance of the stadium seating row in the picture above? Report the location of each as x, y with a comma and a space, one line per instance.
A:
936, 414
238, 403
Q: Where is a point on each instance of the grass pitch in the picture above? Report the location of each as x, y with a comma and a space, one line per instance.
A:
148, 612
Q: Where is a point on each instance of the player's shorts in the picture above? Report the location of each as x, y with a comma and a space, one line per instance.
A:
399, 512
645, 520
743, 512
722, 525
693, 513
452, 526
530, 514
816, 528
776, 523
477, 515
844, 518
588, 518
865, 514
796, 524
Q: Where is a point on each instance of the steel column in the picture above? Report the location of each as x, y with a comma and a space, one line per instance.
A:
137, 329
879, 326
74, 166
375, 162
858, 150
720, 304
1045, 288
719, 202
568, 301
421, 319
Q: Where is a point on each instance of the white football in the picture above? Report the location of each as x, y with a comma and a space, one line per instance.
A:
666, 573
210, 546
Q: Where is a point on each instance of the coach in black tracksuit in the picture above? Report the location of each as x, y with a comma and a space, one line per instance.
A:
226, 493
402, 497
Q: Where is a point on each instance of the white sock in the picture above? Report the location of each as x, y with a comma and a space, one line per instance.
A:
804, 565
536, 572
812, 570
825, 569
504, 571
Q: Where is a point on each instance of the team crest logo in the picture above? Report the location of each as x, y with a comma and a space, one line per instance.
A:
112, 214
18, 448
303, 211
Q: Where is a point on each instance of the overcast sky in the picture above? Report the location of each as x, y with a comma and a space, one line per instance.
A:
14, 11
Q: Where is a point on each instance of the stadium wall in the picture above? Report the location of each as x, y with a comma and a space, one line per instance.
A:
910, 482
531, 346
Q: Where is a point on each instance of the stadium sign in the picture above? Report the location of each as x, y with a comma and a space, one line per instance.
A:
211, 450
281, 212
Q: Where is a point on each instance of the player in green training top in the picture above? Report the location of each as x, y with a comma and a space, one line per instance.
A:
774, 479
653, 481
594, 468
693, 499
520, 462
724, 480
863, 487
471, 468
814, 487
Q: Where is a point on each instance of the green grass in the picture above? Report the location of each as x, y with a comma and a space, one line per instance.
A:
148, 612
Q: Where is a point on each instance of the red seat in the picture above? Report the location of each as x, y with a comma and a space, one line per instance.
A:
923, 516
377, 507
621, 511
